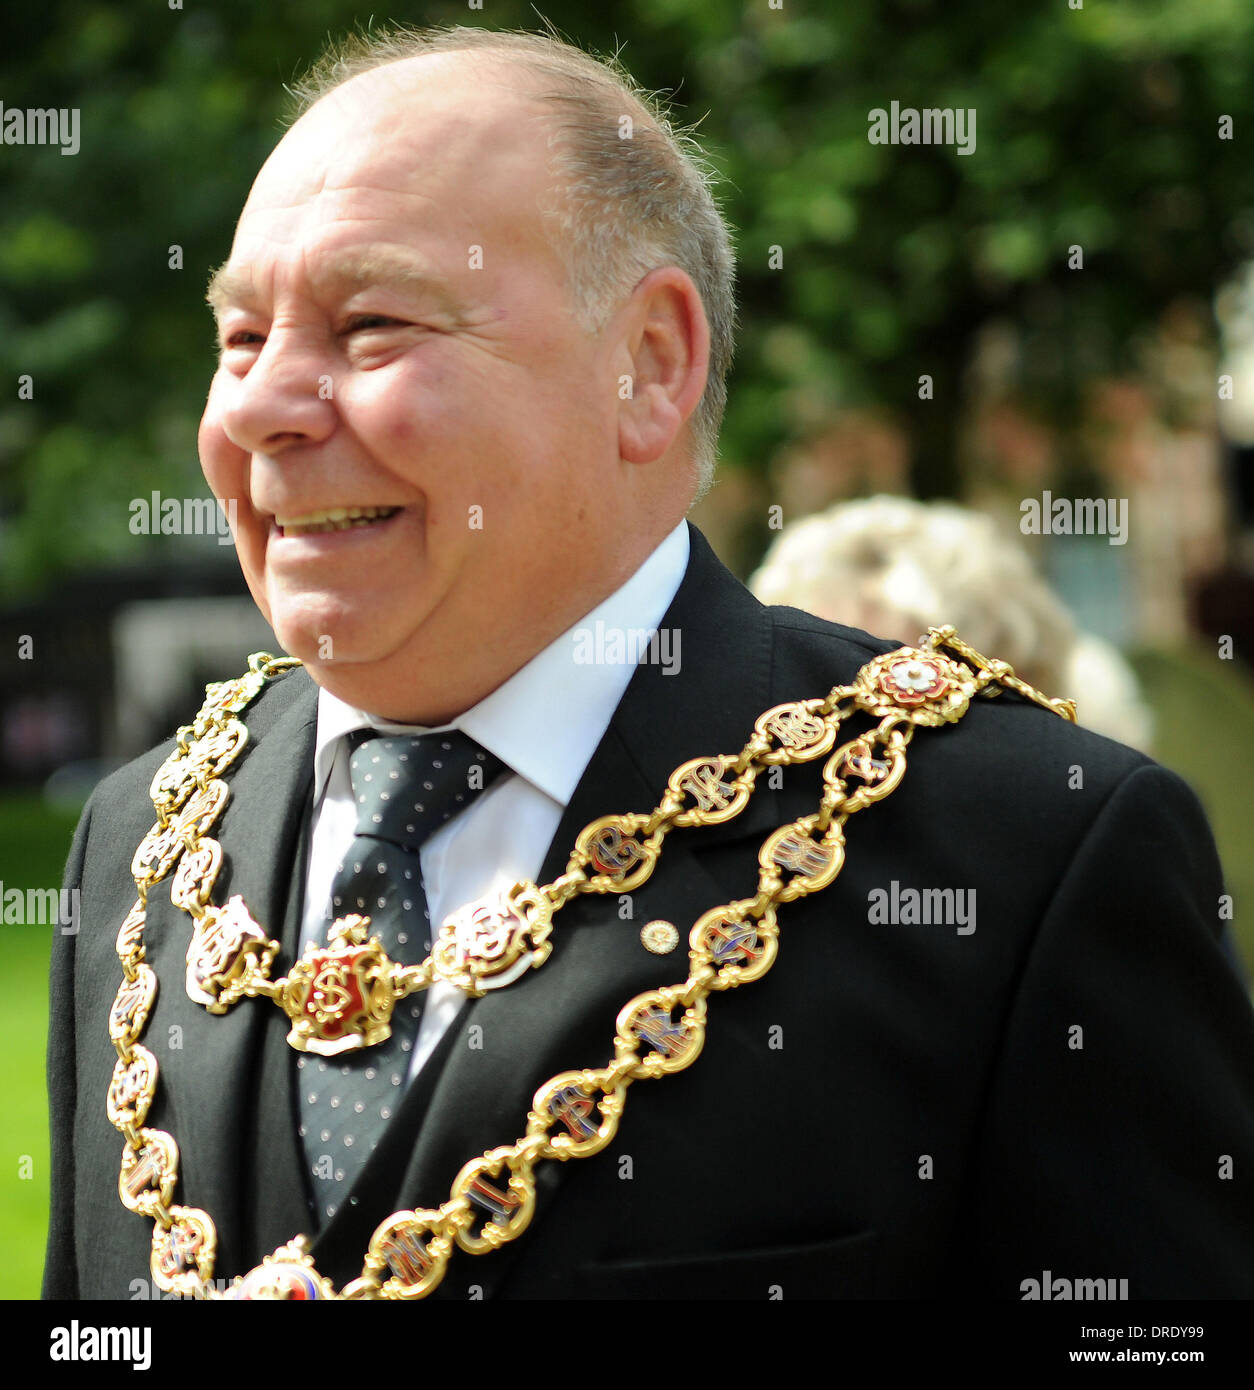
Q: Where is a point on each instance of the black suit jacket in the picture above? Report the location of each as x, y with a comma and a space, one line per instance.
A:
893, 1111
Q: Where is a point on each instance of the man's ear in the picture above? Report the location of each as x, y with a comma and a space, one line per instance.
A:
665, 358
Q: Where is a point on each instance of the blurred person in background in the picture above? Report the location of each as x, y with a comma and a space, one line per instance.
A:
895, 566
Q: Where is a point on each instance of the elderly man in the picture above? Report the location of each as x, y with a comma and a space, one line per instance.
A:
483, 952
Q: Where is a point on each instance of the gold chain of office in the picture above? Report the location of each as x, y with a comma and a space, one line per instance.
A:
576, 1113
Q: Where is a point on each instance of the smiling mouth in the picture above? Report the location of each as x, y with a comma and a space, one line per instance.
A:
333, 519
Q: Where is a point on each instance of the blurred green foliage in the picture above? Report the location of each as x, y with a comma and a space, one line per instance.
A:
1096, 126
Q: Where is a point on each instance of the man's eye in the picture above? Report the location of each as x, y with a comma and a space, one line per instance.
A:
242, 338
367, 321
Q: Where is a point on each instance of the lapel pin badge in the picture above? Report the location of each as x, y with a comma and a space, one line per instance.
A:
659, 937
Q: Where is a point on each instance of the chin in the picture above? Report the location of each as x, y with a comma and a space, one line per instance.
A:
330, 637
323, 635
359, 680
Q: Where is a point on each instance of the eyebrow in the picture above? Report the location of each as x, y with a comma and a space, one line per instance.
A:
370, 267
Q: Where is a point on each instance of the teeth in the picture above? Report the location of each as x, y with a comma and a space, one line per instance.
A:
333, 519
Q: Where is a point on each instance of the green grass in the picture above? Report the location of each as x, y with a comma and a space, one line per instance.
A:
33, 844
1204, 717
1204, 710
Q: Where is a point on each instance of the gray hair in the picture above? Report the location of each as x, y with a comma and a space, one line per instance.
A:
629, 205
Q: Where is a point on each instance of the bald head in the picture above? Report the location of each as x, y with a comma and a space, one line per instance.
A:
444, 129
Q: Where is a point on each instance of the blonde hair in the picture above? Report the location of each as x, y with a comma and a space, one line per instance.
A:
628, 205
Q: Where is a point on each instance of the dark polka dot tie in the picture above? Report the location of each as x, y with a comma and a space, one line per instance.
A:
405, 788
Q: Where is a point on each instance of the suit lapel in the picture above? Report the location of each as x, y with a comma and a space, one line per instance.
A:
503, 1046
210, 1064
276, 1207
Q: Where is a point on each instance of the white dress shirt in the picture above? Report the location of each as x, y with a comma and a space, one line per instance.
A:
544, 723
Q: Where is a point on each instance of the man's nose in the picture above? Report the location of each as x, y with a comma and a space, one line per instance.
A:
284, 398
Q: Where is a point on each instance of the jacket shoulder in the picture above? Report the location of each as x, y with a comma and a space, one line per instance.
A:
796, 629
1005, 741
132, 779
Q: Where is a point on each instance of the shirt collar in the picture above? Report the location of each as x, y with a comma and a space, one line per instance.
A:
546, 720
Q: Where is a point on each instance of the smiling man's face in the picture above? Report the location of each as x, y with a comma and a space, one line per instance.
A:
420, 436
